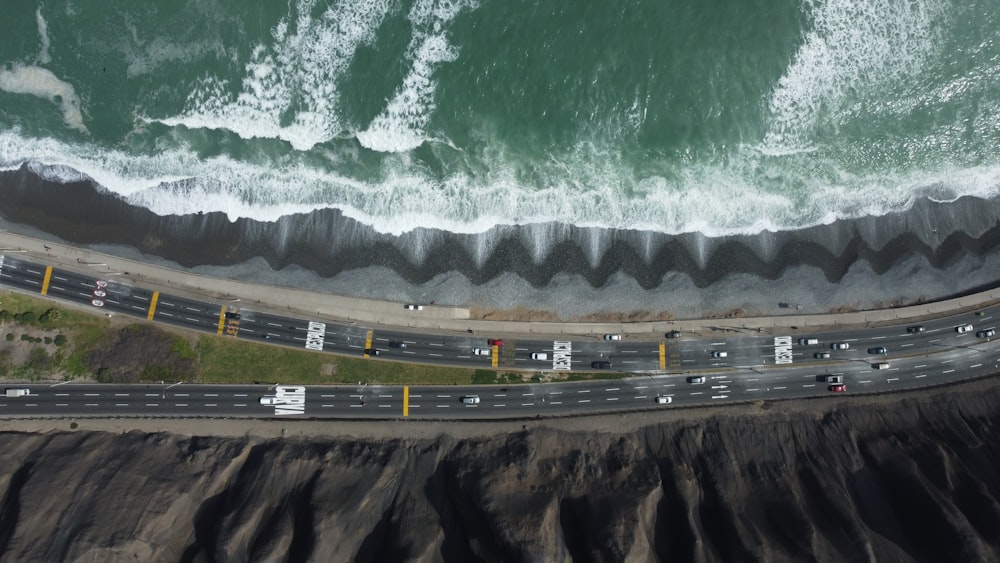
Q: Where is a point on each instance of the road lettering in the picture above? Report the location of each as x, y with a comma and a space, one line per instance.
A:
562, 355
315, 335
782, 349
289, 400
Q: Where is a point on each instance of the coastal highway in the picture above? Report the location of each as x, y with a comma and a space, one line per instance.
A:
755, 366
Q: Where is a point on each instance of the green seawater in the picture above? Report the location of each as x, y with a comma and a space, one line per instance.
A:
674, 116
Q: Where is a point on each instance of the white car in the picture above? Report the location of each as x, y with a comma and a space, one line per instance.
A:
612, 337
97, 302
471, 399
961, 329
411, 307
269, 401
539, 356
99, 293
101, 283
481, 351
840, 346
719, 354
664, 400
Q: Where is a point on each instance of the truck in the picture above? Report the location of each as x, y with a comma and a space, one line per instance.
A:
18, 392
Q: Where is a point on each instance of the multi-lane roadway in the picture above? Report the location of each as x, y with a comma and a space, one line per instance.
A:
735, 365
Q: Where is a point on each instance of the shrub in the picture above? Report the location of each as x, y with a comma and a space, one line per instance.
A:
27, 317
59, 340
48, 340
4, 315
25, 338
44, 317
10, 337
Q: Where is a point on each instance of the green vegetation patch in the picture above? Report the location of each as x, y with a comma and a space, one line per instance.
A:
226, 360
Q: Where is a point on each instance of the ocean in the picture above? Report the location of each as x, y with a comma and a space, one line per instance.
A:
499, 152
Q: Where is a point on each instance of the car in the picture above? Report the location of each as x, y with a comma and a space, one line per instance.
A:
601, 365
696, 379
481, 351
373, 352
99, 293
232, 316
808, 341
495, 342
915, 329
470, 399
833, 379
101, 284
880, 365
719, 354
397, 344
878, 350
269, 401
962, 329
986, 333
840, 346
838, 388
412, 307
539, 356
673, 334
664, 400
612, 337
97, 302
822, 355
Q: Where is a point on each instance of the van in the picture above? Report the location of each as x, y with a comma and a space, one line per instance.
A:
808, 341
833, 379
18, 392
540, 356
881, 365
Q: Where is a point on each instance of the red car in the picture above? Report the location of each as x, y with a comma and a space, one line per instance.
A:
494, 342
839, 388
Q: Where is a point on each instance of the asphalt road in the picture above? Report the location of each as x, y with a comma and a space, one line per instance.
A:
755, 366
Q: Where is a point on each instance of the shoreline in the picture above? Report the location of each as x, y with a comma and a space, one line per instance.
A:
934, 251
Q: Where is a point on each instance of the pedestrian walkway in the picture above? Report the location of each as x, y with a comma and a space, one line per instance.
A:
327, 306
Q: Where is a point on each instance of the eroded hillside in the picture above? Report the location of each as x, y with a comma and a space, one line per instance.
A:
913, 478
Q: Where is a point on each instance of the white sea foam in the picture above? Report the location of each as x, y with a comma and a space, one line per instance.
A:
296, 77
859, 47
42, 83
401, 125
43, 37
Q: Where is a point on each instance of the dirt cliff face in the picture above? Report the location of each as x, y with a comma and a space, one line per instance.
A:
911, 479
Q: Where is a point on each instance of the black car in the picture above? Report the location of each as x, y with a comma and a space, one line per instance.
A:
232, 316
397, 344
674, 334
915, 329
878, 350
373, 352
600, 365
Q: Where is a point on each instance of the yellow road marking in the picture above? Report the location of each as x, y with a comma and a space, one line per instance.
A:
222, 319
152, 305
495, 355
368, 341
406, 400
663, 356
48, 278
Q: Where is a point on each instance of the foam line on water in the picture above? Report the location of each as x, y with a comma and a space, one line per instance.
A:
309, 56
401, 126
853, 47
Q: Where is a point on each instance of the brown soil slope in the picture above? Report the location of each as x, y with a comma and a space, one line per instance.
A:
915, 479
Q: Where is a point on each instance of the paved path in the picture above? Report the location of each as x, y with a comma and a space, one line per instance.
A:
432, 317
